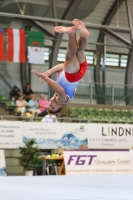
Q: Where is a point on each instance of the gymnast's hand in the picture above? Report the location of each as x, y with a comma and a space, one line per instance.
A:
46, 74
42, 76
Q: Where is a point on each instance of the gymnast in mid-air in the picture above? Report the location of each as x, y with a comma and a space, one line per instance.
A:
69, 72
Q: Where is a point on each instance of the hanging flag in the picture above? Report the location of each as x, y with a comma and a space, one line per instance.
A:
16, 45
2, 53
36, 47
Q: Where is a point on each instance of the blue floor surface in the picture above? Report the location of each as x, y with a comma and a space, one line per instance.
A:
90, 187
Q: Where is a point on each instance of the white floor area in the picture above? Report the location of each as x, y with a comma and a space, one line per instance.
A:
91, 187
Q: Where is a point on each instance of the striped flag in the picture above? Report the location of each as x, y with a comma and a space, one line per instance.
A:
16, 45
36, 47
2, 53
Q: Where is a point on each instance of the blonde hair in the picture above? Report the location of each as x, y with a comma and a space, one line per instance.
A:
32, 95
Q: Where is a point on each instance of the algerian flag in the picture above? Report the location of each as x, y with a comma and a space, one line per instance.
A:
36, 47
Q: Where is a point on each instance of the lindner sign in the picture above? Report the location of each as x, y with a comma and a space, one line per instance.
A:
110, 136
97, 162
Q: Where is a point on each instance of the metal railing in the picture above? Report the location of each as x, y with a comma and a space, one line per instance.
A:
95, 93
109, 94
38, 119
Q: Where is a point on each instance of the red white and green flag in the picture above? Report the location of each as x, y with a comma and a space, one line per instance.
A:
16, 45
36, 47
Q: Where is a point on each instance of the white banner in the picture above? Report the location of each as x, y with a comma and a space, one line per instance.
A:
2, 164
66, 135
10, 134
131, 153
52, 136
110, 136
97, 162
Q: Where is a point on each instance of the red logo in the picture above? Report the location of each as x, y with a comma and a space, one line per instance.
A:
36, 48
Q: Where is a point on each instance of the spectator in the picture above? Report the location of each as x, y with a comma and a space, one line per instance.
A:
43, 105
49, 118
83, 147
27, 92
14, 93
33, 105
21, 105
59, 151
53, 162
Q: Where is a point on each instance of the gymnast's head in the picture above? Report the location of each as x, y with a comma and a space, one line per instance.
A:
54, 106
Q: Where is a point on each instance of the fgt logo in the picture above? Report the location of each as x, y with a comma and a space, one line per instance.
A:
81, 159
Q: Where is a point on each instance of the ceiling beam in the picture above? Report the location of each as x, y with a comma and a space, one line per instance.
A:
110, 16
54, 11
37, 2
129, 16
112, 12
65, 21
117, 37
41, 27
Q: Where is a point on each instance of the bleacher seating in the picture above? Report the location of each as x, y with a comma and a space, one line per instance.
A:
80, 114
10, 106
3, 99
83, 113
99, 115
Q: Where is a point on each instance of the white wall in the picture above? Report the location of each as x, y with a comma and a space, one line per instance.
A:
114, 76
13, 71
10, 72
89, 75
35, 83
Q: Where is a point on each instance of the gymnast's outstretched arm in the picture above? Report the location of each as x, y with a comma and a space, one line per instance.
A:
54, 85
57, 68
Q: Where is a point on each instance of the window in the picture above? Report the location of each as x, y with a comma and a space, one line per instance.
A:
111, 60
61, 55
89, 57
46, 53
124, 60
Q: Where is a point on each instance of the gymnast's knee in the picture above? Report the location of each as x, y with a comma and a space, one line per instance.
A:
70, 54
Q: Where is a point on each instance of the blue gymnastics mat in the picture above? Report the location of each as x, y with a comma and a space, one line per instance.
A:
90, 187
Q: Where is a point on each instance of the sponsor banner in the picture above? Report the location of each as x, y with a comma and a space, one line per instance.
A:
2, 164
66, 135
131, 153
97, 162
110, 136
51, 136
10, 134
